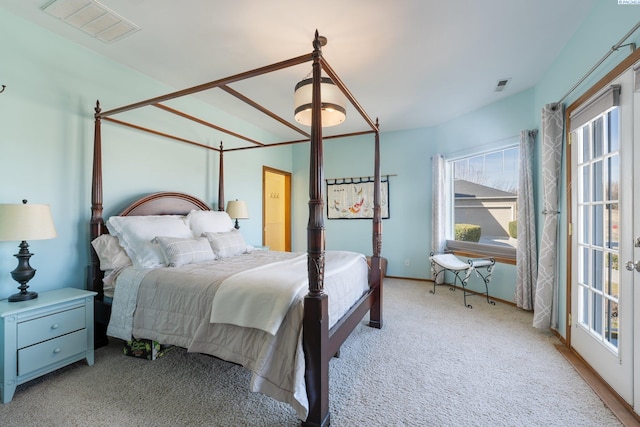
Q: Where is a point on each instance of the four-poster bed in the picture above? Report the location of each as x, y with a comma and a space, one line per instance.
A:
320, 341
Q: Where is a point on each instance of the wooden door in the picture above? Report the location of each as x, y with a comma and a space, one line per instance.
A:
276, 209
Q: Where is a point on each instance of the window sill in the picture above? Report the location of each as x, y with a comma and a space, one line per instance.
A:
501, 254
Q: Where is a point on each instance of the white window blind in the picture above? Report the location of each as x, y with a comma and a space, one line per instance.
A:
585, 113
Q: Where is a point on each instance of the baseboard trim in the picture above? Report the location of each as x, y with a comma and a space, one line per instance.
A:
610, 398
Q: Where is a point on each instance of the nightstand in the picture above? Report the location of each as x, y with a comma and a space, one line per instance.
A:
44, 334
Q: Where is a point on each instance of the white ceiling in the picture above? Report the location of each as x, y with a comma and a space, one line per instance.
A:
411, 63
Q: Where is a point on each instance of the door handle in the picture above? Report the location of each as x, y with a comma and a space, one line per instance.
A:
633, 266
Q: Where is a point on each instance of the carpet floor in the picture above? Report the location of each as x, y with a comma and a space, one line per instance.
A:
434, 363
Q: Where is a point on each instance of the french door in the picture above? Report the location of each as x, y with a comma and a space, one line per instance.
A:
603, 234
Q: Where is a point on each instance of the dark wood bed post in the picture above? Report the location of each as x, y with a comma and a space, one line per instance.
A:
375, 279
102, 312
221, 180
316, 318
97, 223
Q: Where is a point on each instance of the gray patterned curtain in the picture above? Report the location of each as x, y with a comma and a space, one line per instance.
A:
438, 230
546, 295
526, 255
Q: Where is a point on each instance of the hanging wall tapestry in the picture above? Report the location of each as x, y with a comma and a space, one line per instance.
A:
352, 198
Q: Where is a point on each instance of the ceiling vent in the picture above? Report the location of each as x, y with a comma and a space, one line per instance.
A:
502, 84
93, 18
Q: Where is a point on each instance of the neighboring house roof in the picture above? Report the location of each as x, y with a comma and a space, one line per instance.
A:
468, 189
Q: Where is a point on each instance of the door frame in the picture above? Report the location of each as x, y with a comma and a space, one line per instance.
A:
287, 201
604, 81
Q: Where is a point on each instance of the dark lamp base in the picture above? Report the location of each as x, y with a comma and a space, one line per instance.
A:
22, 274
23, 296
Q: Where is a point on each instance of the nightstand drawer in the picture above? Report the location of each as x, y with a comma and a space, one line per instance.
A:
47, 327
49, 352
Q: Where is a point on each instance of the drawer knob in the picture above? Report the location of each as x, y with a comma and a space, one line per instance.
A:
56, 351
55, 326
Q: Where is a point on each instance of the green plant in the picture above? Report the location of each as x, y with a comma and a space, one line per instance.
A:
513, 229
468, 232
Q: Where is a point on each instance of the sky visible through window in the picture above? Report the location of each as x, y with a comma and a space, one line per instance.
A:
496, 169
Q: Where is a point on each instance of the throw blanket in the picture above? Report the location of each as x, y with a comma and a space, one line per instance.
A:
261, 297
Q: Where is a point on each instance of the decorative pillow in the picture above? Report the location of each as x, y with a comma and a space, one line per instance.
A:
226, 244
178, 251
110, 253
209, 222
136, 232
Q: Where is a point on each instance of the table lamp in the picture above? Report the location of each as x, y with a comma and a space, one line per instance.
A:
22, 222
237, 209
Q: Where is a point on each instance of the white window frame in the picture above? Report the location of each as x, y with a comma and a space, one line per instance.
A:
502, 253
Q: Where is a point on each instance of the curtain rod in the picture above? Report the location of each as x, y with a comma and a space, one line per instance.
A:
356, 179
613, 49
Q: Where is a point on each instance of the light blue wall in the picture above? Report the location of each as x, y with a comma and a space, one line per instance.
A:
46, 146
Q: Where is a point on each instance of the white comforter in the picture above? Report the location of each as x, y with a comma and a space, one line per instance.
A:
174, 306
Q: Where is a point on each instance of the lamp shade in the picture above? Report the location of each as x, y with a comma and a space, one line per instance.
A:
26, 222
332, 102
237, 209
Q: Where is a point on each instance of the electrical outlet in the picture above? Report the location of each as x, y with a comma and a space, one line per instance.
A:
406, 263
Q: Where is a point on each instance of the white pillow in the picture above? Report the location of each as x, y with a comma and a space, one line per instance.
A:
178, 251
110, 253
226, 244
209, 222
136, 232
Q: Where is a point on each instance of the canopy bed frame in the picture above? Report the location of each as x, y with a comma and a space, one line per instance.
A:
320, 343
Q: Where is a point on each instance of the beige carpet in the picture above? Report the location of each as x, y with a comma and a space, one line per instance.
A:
434, 363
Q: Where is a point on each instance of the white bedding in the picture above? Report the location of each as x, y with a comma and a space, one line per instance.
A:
174, 306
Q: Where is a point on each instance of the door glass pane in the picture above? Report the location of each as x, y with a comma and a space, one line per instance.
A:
614, 131
585, 150
613, 171
583, 236
611, 226
583, 305
598, 135
596, 314
583, 258
586, 183
612, 274
598, 272
597, 230
611, 318
597, 181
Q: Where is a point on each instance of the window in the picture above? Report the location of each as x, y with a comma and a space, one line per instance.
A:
484, 203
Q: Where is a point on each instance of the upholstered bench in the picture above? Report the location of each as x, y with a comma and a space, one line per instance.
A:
442, 262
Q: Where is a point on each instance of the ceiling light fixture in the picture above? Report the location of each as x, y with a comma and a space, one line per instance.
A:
91, 17
332, 100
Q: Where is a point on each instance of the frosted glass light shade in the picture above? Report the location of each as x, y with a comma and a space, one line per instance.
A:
333, 111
